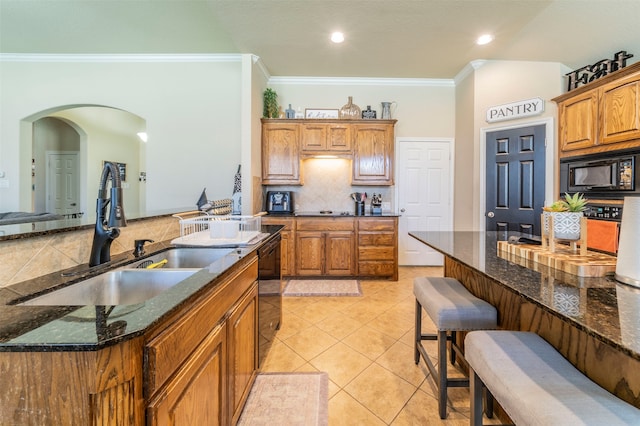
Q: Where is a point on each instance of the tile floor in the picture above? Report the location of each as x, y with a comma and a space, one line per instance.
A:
366, 345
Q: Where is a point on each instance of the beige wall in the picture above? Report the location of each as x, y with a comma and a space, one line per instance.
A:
496, 83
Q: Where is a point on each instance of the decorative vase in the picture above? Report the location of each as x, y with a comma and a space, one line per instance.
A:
350, 111
566, 225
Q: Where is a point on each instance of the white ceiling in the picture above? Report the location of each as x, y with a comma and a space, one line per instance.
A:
384, 38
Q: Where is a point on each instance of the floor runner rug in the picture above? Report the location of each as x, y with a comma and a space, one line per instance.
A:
287, 399
322, 288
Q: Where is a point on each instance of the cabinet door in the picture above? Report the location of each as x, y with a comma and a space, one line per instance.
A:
620, 111
309, 252
313, 137
577, 121
287, 254
196, 395
280, 157
340, 259
242, 327
372, 154
339, 138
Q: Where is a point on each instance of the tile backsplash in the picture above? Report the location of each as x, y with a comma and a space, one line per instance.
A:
27, 258
327, 186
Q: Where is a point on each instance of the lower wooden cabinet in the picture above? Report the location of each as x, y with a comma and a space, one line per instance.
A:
325, 247
242, 351
378, 247
196, 394
287, 244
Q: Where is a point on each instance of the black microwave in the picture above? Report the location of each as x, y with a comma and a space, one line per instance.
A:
607, 177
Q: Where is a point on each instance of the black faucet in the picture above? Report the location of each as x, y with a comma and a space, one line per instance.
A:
139, 247
106, 230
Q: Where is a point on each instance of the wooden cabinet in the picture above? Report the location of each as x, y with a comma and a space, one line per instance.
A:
324, 138
196, 394
601, 116
242, 327
325, 247
372, 154
280, 154
287, 244
200, 366
378, 247
368, 143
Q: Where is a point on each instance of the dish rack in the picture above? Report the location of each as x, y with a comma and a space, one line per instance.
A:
217, 230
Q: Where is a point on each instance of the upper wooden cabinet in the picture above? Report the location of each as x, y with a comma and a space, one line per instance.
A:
369, 143
280, 154
601, 116
372, 154
320, 138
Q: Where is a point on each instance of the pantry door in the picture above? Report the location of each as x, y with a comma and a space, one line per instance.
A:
424, 182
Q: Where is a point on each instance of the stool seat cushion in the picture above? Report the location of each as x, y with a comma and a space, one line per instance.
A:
536, 385
451, 306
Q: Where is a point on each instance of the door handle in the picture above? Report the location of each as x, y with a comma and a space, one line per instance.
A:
490, 214
401, 210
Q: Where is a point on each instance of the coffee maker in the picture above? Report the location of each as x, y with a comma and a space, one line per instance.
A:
280, 202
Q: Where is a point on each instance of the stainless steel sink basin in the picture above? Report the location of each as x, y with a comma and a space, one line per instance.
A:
119, 287
184, 257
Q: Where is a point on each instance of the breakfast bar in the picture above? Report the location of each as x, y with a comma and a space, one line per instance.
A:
592, 321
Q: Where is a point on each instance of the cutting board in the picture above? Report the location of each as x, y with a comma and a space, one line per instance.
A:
594, 264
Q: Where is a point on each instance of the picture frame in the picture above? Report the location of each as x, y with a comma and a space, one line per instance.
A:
320, 113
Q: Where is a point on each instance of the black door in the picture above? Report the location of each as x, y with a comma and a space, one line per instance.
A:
515, 179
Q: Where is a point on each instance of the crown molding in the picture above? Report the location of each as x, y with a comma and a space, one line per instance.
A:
468, 69
362, 81
261, 66
55, 57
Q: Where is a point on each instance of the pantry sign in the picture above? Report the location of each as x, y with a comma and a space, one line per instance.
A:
515, 110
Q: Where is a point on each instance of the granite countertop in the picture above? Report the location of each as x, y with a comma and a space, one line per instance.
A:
600, 306
89, 328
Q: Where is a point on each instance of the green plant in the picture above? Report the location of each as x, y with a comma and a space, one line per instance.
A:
575, 202
571, 203
270, 106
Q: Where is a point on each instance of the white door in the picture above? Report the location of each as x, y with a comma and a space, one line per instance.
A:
424, 196
62, 183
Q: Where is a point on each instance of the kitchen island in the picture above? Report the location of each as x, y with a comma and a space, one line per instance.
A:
188, 353
591, 321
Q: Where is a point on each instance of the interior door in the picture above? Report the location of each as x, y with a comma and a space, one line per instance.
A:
515, 179
62, 183
424, 197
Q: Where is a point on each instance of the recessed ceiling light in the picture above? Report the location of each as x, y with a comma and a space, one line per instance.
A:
337, 37
484, 39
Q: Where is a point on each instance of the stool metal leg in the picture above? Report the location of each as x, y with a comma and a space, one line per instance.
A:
453, 352
475, 393
418, 332
442, 373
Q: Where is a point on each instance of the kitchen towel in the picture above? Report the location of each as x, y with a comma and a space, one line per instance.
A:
602, 235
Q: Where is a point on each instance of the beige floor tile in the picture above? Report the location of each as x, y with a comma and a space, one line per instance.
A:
281, 358
292, 324
422, 409
310, 342
342, 363
316, 312
364, 311
392, 324
399, 360
381, 391
344, 410
369, 342
339, 325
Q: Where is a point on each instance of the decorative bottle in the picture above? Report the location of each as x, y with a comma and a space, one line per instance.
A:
350, 111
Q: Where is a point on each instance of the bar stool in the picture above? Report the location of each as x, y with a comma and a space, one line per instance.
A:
452, 308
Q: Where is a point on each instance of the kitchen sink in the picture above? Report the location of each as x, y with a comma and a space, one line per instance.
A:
184, 257
118, 287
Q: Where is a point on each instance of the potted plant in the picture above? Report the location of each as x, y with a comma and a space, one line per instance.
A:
270, 104
566, 214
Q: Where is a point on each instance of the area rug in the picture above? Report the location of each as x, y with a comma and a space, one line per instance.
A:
300, 399
322, 288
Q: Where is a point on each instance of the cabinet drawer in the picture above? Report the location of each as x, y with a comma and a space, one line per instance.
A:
287, 222
376, 239
165, 353
378, 269
376, 253
329, 224
387, 224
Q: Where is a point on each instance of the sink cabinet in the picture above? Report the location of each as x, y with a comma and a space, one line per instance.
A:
195, 365
601, 116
